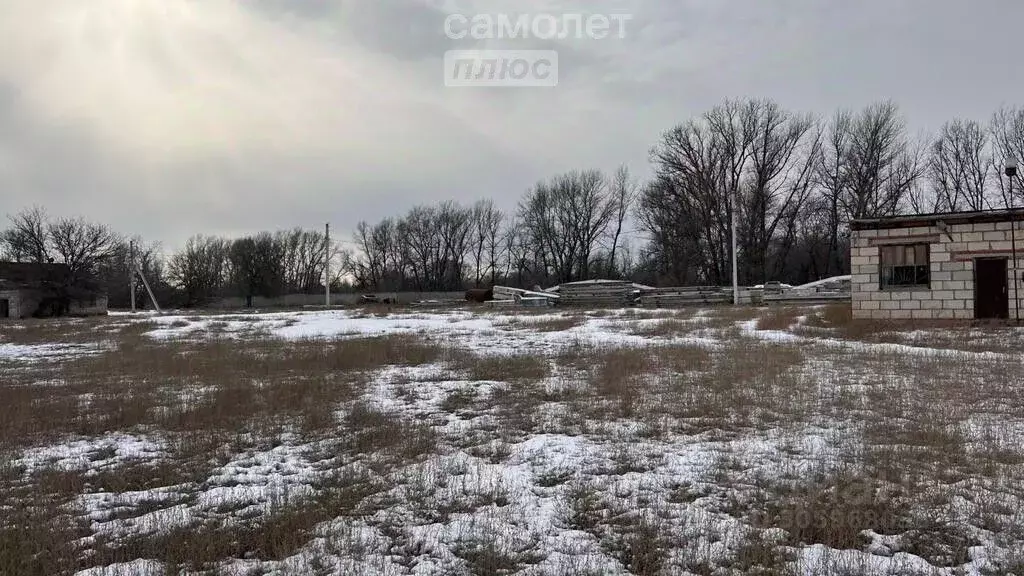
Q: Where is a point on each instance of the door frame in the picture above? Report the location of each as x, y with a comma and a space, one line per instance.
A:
1005, 308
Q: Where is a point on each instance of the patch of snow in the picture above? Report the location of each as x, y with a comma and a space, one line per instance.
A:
251, 483
93, 453
45, 352
824, 282
133, 568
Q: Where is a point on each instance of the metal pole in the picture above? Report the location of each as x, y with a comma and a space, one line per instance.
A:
1013, 268
735, 266
131, 272
327, 265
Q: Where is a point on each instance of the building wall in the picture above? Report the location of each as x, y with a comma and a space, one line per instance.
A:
25, 303
14, 303
97, 307
951, 295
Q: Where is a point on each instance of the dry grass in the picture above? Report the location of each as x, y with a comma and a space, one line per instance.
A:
373, 432
261, 385
667, 328
833, 510
921, 445
837, 320
552, 324
505, 368
779, 318
285, 529
45, 331
749, 384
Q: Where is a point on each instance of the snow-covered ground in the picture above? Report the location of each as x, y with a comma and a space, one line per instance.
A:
648, 442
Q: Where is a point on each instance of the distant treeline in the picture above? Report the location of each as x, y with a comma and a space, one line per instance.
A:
792, 181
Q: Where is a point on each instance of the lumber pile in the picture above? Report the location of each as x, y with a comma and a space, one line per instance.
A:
529, 298
827, 290
680, 297
808, 297
597, 294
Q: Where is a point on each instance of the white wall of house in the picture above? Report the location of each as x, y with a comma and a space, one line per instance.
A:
952, 259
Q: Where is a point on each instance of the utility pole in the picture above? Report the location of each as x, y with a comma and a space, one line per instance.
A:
131, 272
136, 268
1011, 173
149, 290
735, 266
327, 265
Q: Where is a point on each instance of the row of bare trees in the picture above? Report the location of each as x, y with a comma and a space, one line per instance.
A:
567, 228
88, 249
794, 182
207, 267
790, 181
264, 264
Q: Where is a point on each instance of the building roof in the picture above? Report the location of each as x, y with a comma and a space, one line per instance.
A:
950, 218
21, 274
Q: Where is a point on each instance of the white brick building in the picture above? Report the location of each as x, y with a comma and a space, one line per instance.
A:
28, 290
937, 266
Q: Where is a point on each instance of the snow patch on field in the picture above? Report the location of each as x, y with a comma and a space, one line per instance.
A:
92, 454
45, 352
251, 484
133, 568
492, 333
509, 488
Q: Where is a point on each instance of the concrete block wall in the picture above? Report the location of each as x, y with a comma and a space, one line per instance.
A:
22, 304
98, 307
13, 303
951, 295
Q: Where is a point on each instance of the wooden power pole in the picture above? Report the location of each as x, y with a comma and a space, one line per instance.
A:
327, 265
131, 272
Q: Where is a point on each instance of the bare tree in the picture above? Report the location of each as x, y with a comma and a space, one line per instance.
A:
1007, 130
200, 269
28, 238
258, 265
421, 247
701, 167
517, 250
833, 182
564, 219
454, 225
734, 127
779, 181
303, 260
666, 212
959, 168
377, 251
882, 165
622, 195
486, 243
82, 246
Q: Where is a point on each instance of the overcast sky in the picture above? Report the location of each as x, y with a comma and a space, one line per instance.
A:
167, 118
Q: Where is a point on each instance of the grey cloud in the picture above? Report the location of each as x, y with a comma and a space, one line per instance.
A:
172, 117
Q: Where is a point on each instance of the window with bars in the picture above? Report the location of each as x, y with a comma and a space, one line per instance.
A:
905, 266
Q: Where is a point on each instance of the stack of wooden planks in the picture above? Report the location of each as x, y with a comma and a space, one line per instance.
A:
690, 296
597, 294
